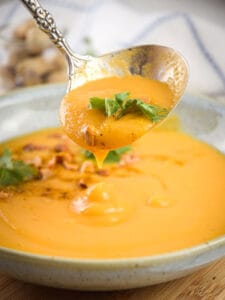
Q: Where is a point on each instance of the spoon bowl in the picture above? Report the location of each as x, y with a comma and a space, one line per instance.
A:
151, 61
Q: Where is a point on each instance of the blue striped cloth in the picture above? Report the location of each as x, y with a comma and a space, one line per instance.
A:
112, 25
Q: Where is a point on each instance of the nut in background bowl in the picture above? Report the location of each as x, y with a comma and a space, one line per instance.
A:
31, 58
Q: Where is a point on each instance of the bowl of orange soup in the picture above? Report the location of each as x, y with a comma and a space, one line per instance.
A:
160, 217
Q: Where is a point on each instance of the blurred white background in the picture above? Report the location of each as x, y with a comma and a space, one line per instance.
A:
196, 28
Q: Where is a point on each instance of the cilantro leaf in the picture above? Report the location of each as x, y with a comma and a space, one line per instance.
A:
153, 112
97, 103
13, 172
5, 159
121, 105
113, 156
122, 97
111, 107
88, 154
7, 177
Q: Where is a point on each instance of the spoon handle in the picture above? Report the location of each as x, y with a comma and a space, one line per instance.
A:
47, 24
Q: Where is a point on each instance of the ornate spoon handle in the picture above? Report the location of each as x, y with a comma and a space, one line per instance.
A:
47, 24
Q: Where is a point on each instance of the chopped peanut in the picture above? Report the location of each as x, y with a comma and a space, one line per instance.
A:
4, 195
21, 31
87, 167
36, 41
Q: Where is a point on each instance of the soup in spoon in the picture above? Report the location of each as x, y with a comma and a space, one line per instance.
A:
113, 112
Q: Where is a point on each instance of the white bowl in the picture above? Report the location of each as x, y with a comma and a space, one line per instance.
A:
35, 108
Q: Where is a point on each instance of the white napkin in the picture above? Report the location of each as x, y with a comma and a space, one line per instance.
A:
112, 25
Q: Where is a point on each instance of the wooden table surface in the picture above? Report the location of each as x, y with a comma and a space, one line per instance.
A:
207, 284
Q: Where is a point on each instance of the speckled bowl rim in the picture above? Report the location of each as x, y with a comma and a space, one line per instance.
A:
111, 263
114, 263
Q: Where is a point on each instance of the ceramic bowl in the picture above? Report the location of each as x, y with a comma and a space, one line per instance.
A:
35, 108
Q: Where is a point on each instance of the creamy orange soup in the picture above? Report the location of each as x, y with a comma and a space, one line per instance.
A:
165, 194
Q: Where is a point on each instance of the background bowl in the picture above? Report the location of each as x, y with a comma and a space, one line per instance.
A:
35, 108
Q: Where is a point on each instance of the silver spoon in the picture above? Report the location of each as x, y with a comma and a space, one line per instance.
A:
151, 61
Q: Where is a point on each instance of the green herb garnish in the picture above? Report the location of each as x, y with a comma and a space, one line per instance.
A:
13, 172
121, 105
113, 156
